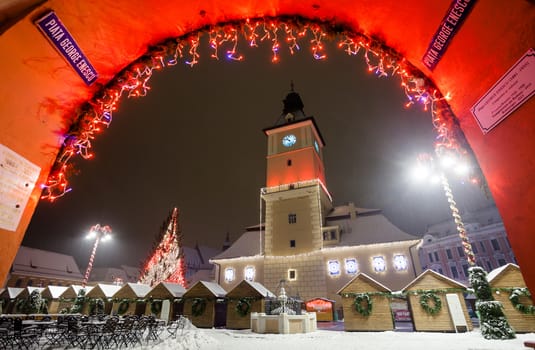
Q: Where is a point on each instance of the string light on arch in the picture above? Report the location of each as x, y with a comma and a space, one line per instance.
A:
294, 32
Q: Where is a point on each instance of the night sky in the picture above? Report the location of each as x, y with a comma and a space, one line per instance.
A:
196, 142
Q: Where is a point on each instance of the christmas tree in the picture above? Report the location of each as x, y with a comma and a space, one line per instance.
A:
166, 262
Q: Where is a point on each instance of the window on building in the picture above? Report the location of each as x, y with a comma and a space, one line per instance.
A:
489, 265
30, 283
292, 243
292, 218
482, 246
501, 262
18, 282
454, 272
440, 271
333, 235
430, 257
474, 248
448, 253
292, 275
465, 270
495, 244
460, 251
436, 256
249, 273
230, 274
351, 266
289, 162
333, 266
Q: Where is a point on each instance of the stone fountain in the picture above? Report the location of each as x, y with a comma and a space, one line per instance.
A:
284, 319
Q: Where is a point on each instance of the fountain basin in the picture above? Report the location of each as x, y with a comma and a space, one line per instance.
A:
283, 323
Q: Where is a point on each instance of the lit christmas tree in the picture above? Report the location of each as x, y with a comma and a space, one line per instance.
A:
166, 261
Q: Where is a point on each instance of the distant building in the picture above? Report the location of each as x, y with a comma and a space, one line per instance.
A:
116, 275
442, 251
41, 268
314, 246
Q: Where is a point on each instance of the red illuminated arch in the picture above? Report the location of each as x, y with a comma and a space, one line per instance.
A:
115, 33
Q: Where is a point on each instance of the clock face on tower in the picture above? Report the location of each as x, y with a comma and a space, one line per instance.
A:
289, 140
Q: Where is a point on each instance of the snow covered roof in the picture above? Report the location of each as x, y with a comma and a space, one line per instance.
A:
369, 280
498, 271
175, 289
368, 229
74, 290
436, 275
53, 292
103, 290
345, 211
139, 289
213, 287
37, 262
11, 292
260, 288
247, 245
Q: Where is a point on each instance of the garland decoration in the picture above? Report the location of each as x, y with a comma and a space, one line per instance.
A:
243, 306
123, 306
424, 303
515, 300
359, 299
96, 306
96, 114
198, 306
155, 306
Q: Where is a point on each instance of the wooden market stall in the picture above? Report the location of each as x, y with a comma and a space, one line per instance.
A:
104, 292
52, 295
243, 299
437, 303
323, 307
204, 304
68, 297
509, 288
165, 296
366, 305
129, 299
9, 299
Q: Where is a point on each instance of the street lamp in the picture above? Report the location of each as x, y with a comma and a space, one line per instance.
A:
99, 233
436, 170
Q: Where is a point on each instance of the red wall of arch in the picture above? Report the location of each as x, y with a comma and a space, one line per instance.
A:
39, 92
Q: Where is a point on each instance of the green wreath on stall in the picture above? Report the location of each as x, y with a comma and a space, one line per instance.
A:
363, 310
515, 300
123, 306
243, 306
424, 303
156, 307
198, 306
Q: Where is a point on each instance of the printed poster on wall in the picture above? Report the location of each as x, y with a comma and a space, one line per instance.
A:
17, 181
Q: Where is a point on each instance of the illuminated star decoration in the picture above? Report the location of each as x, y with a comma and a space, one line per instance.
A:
132, 81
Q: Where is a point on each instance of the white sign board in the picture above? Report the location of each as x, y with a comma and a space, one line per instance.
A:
17, 180
456, 313
514, 88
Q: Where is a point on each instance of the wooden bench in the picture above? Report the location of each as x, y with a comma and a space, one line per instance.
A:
529, 344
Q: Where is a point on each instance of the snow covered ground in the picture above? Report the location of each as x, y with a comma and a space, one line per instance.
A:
223, 339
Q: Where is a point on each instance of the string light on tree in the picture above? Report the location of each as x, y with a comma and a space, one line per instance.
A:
96, 113
166, 262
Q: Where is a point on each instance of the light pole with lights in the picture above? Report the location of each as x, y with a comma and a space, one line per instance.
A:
428, 167
99, 233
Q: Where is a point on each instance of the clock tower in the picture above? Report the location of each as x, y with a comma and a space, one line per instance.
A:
296, 200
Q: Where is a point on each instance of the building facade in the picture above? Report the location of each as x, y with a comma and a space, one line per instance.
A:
42, 268
304, 240
442, 250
